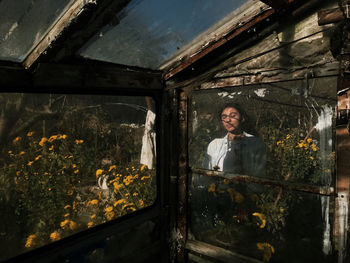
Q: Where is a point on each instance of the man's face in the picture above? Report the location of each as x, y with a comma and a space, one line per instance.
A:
231, 119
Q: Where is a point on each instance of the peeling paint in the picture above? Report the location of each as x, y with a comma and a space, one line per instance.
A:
260, 92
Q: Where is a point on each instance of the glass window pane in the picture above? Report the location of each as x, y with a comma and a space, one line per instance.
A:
266, 223
71, 162
282, 131
24, 23
147, 33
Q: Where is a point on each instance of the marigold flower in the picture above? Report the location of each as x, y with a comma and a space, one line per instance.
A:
51, 148
268, 250
99, 172
10, 152
110, 215
145, 177
64, 223
67, 206
66, 215
30, 163
119, 202
54, 236
17, 139
79, 141
93, 202
53, 138
30, 133
72, 225
64, 136
22, 153
30, 240
312, 158
76, 171
135, 194
143, 167
42, 141
93, 216
18, 173
262, 219
109, 209
211, 187
309, 140
112, 167
90, 224
141, 203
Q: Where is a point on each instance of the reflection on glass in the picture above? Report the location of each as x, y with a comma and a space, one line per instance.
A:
260, 222
71, 162
147, 33
23, 24
296, 129
282, 131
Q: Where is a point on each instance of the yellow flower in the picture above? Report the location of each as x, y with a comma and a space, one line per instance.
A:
74, 165
30, 241
79, 141
54, 236
268, 250
127, 205
90, 224
21, 153
309, 140
99, 172
17, 139
38, 157
211, 188
53, 138
67, 206
42, 141
66, 215
262, 219
30, 163
145, 177
10, 152
143, 167
72, 225
110, 215
288, 136
119, 202
141, 203
112, 167
18, 173
51, 148
30, 134
109, 209
76, 171
135, 194
312, 158
136, 176
93, 202
64, 223
93, 216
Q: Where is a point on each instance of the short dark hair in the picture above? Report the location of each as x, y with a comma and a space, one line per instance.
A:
246, 125
238, 107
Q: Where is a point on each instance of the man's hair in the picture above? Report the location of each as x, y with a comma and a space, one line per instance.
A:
238, 107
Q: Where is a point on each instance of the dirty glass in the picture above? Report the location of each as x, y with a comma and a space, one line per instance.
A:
282, 131
71, 162
149, 32
24, 23
285, 131
266, 223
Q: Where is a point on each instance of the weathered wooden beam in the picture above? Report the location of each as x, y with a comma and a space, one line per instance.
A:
277, 4
218, 253
55, 30
101, 76
321, 190
330, 16
220, 42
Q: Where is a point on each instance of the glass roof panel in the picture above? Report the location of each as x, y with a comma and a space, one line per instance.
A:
149, 32
24, 23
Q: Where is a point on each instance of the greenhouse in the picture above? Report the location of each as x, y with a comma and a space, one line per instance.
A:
175, 131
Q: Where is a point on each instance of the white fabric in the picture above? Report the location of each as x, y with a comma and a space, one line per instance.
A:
148, 150
217, 150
